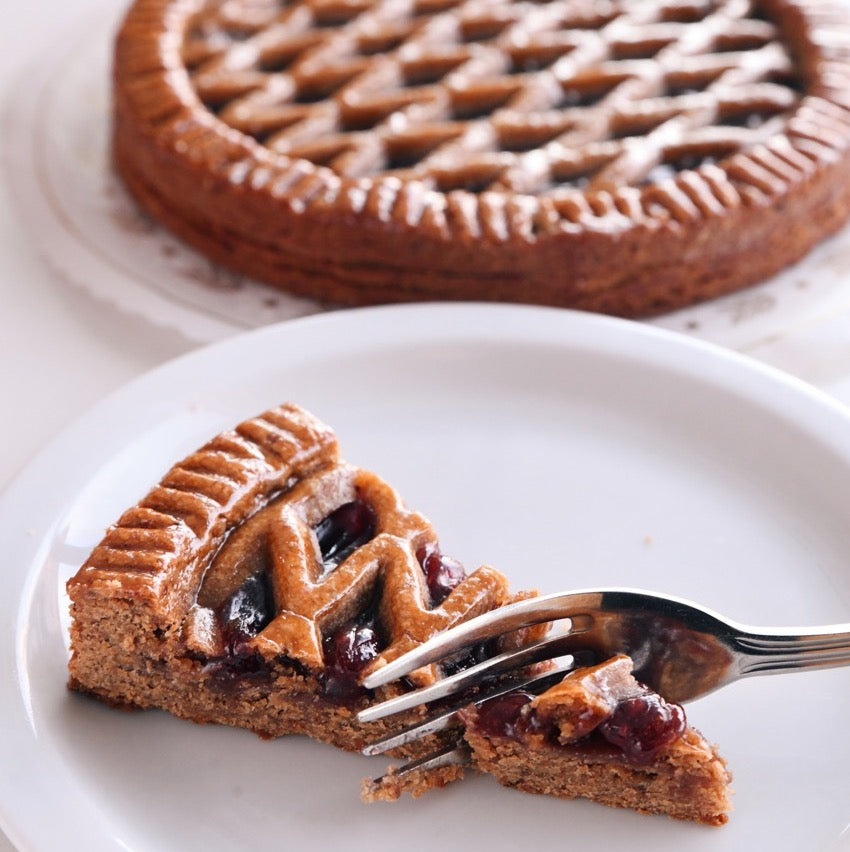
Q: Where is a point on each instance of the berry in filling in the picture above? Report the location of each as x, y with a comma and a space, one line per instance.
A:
602, 701
442, 573
246, 612
347, 652
344, 530
503, 715
642, 725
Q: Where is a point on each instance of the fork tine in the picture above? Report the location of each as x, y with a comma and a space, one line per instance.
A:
506, 619
546, 648
433, 724
455, 754
445, 717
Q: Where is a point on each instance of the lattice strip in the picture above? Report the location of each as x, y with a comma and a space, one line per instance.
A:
309, 600
459, 94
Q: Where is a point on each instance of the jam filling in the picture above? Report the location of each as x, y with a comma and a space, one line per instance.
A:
351, 646
344, 530
242, 616
442, 573
503, 715
246, 612
347, 652
640, 725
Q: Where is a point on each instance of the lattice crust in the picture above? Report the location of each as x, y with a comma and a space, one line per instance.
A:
158, 550
310, 601
482, 94
248, 503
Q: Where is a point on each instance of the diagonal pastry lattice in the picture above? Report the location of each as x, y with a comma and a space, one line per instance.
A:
248, 503
493, 94
309, 600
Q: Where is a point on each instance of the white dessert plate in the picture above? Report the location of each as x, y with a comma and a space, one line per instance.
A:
568, 450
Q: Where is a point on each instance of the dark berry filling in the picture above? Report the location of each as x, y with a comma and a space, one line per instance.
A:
344, 530
350, 647
232, 673
442, 573
246, 612
502, 716
347, 652
642, 725
243, 615
469, 657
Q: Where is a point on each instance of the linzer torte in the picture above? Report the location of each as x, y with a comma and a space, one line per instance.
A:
624, 156
264, 577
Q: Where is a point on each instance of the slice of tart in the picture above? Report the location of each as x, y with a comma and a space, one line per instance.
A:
258, 580
263, 577
601, 735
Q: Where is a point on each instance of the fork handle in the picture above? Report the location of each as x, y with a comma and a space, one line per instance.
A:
765, 652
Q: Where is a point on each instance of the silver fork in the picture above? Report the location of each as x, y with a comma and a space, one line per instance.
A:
680, 649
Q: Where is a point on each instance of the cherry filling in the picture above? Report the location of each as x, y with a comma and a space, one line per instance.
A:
442, 573
246, 612
344, 530
502, 716
640, 725
347, 651
350, 647
243, 615
442, 576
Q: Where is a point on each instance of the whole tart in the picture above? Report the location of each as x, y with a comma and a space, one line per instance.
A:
623, 156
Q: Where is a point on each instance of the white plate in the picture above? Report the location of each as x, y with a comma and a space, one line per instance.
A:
568, 450
56, 139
